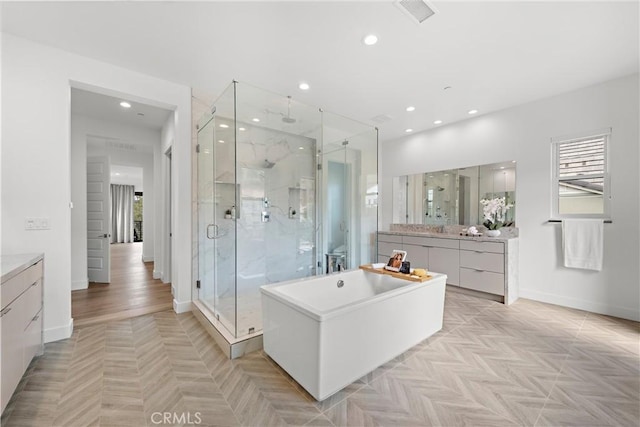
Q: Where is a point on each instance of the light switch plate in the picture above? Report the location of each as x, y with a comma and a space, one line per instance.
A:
33, 223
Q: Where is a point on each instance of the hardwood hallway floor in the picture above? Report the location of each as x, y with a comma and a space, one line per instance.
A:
132, 292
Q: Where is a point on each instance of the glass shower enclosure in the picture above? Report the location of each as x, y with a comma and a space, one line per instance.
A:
285, 191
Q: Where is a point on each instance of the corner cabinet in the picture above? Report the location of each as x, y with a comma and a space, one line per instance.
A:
484, 265
20, 318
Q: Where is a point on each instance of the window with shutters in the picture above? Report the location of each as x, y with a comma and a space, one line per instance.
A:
581, 176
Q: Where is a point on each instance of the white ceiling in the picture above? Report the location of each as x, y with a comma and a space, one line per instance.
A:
105, 107
127, 175
493, 55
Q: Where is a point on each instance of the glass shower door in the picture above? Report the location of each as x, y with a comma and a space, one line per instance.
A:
206, 246
337, 209
216, 231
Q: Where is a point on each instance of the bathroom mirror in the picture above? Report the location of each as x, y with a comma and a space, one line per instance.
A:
452, 197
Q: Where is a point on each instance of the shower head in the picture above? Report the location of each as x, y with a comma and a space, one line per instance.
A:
267, 164
288, 118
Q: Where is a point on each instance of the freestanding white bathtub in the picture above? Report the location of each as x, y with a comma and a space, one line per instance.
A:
327, 336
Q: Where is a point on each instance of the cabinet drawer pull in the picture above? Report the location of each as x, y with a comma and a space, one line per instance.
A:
35, 317
479, 271
34, 284
5, 311
425, 246
479, 252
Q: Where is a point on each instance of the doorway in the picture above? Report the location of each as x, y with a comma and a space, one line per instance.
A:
129, 289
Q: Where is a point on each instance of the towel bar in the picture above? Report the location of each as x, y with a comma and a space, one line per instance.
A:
606, 221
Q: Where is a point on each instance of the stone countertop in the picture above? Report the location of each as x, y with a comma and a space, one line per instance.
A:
14, 264
482, 238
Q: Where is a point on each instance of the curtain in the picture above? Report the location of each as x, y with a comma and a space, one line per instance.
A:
122, 213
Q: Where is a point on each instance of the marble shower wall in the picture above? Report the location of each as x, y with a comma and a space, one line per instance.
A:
276, 176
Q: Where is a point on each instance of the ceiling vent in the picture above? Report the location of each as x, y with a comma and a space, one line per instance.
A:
418, 10
381, 118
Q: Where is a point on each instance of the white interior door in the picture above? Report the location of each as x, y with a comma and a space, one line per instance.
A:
98, 219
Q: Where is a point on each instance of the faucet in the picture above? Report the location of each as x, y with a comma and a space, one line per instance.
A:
339, 268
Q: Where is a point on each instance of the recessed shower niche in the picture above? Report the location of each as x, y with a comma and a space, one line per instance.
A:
280, 186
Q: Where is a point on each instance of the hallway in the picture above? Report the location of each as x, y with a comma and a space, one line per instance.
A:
132, 292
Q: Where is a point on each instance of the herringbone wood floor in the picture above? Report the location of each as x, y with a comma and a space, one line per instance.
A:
527, 364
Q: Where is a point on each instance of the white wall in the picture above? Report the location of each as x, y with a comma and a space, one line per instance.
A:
162, 266
36, 82
84, 129
523, 134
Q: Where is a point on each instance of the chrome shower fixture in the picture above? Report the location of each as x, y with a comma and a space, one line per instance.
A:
288, 118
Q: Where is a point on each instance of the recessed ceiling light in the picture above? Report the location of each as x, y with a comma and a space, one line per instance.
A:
370, 39
221, 141
255, 119
473, 111
242, 129
501, 167
437, 122
125, 104
303, 86
411, 108
117, 173
222, 125
300, 148
408, 130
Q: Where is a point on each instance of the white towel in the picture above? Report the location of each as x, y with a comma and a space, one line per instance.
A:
582, 242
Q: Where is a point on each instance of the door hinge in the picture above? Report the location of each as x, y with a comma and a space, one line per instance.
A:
197, 148
198, 284
319, 166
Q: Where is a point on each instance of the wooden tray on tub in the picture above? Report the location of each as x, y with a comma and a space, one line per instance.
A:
403, 276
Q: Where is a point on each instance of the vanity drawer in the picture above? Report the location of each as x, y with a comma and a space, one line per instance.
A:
481, 246
418, 256
390, 238
432, 242
33, 273
14, 287
487, 261
385, 248
484, 281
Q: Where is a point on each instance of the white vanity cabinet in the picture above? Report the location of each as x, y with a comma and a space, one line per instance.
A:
482, 266
435, 254
20, 318
386, 244
486, 265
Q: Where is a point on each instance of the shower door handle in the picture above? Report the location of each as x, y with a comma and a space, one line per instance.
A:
211, 235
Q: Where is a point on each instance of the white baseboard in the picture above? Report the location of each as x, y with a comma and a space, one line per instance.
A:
181, 306
79, 284
59, 333
594, 307
147, 258
157, 274
173, 290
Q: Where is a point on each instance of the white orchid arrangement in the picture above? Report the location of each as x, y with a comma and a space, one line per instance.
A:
494, 211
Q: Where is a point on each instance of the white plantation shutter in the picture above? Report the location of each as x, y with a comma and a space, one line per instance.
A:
580, 176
